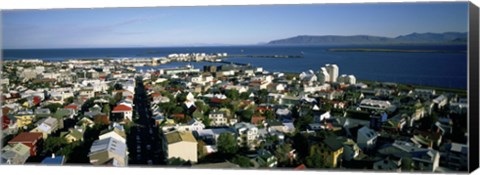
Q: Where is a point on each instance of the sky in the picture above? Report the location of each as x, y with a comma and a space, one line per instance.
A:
221, 25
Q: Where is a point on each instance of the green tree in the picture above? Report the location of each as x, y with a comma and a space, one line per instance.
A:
106, 109
52, 144
227, 143
269, 114
314, 160
281, 152
242, 161
53, 107
233, 94
246, 115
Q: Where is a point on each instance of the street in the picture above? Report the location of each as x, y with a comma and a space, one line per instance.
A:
144, 143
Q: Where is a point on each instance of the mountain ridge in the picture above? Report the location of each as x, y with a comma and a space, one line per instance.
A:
412, 38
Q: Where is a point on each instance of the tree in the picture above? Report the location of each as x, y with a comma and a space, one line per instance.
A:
227, 143
69, 100
106, 109
242, 161
52, 144
315, 158
269, 114
246, 115
233, 94
282, 153
53, 107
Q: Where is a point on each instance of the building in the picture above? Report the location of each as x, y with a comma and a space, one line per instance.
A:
454, 156
347, 79
181, 145
332, 70
30, 139
24, 118
331, 150
391, 164
114, 131
109, 151
370, 104
47, 127
15, 154
53, 160
218, 119
247, 134
323, 76
121, 112
366, 138
423, 159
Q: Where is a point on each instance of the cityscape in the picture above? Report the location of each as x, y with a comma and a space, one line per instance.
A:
239, 107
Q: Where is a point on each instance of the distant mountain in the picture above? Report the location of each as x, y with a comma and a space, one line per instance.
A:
413, 38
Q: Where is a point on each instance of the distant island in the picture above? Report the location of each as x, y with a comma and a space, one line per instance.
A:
413, 38
390, 50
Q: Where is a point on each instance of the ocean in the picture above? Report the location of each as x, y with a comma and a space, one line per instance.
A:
441, 69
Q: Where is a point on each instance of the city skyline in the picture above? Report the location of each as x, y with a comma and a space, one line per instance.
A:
221, 25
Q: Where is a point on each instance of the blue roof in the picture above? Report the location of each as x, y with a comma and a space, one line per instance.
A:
58, 160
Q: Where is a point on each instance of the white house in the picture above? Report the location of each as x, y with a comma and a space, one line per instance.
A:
366, 138
247, 134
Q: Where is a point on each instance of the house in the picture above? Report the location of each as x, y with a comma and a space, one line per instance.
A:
331, 150
265, 158
75, 134
87, 92
454, 156
86, 122
108, 151
320, 118
122, 112
181, 145
217, 119
24, 118
247, 134
101, 119
351, 150
53, 160
366, 138
47, 127
440, 101
423, 159
116, 131
15, 154
42, 113
280, 127
30, 139
257, 120
192, 125
391, 164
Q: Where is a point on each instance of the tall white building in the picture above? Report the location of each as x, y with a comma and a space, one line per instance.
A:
332, 70
347, 79
323, 75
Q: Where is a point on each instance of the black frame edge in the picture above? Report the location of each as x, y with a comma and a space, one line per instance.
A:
473, 109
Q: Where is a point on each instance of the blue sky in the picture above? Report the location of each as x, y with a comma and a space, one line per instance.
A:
218, 25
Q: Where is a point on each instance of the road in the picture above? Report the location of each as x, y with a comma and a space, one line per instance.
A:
144, 143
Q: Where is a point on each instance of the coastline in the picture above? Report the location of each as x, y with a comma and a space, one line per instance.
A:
391, 50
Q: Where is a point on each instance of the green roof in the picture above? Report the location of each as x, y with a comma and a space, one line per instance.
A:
333, 143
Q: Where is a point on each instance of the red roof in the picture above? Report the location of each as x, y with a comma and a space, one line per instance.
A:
257, 120
178, 115
5, 122
216, 100
72, 106
36, 100
26, 137
301, 167
156, 94
122, 108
